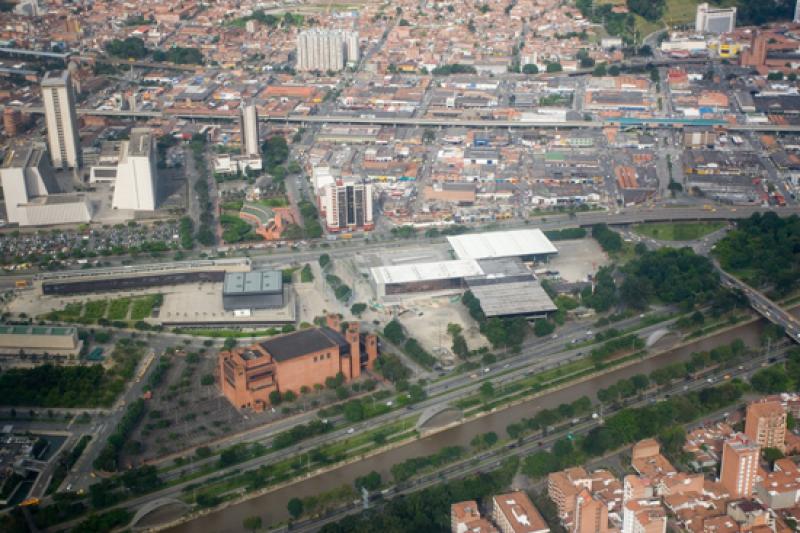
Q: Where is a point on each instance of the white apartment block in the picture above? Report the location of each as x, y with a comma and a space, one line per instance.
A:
324, 50
58, 98
714, 20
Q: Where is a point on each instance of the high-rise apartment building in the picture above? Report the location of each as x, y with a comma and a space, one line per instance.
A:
348, 206
765, 424
739, 466
325, 50
249, 124
136, 180
58, 97
714, 20
796, 12
591, 514
352, 52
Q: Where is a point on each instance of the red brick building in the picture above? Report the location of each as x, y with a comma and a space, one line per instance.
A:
286, 363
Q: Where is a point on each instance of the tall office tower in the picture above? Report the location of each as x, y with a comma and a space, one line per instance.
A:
249, 124
714, 20
351, 46
62, 122
321, 50
765, 424
348, 206
135, 186
739, 466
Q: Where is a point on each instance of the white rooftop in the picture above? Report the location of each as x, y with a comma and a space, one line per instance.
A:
459, 268
501, 244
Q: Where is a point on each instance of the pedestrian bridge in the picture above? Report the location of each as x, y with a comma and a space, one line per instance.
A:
154, 505
438, 415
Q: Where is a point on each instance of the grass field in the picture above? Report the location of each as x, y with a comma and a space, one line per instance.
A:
118, 310
677, 12
681, 231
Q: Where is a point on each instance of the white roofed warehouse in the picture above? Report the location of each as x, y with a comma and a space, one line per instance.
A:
526, 244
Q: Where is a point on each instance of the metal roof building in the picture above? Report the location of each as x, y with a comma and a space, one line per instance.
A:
252, 290
525, 243
439, 276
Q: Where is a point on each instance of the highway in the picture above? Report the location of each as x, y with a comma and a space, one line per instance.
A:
304, 120
344, 248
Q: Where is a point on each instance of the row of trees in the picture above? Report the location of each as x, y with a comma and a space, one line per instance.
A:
633, 424
108, 459
428, 509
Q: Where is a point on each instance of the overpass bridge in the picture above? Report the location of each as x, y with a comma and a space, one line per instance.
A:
305, 120
763, 305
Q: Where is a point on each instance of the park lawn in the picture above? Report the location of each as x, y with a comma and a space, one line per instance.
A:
71, 313
95, 309
679, 231
143, 307
118, 310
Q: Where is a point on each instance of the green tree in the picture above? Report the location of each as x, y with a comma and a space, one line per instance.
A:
554, 67
275, 397
371, 481
599, 70
530, 69
543, 327
487, 390
230, 343
252, 523
358, 308
394, 332
295, 508
771, 455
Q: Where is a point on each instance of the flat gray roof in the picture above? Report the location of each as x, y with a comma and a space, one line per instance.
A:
139, 144
55, 78
259, 282
513, 299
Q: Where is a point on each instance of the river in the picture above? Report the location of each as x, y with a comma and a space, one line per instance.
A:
272, 506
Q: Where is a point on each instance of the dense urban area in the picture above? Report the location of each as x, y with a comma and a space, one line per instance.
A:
514, 266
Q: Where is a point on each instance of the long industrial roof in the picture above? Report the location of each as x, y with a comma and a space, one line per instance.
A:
516, 243
459, 268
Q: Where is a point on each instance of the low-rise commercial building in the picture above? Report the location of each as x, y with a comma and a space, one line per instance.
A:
245, 291
247, 375
30, 340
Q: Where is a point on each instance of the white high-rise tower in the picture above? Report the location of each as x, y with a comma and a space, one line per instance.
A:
249, 125
58, 97
136, 182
